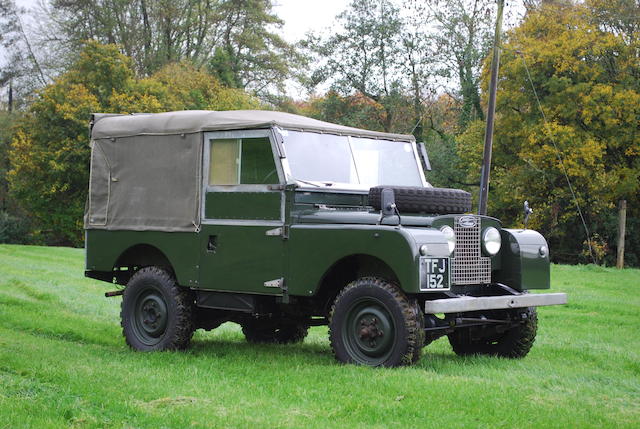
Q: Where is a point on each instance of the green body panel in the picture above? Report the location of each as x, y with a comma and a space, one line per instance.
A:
314, 249
104, 247
523, 267
244, 258
243, 205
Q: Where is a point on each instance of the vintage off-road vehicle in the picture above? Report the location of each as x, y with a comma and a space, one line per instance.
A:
279, 222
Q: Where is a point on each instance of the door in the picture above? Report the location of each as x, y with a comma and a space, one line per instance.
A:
241, 237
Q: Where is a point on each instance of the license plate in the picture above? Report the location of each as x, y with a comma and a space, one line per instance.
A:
434, 273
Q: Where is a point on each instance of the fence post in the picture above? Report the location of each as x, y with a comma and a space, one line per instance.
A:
622, 221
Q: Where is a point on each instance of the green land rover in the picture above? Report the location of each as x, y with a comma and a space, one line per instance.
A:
279, 222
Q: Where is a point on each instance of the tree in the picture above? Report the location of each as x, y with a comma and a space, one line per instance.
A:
50, 149
585, 75
23, 70
363, 55
237, 40
463, 36
251, 55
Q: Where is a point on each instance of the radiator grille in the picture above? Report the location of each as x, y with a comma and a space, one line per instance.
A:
469, 266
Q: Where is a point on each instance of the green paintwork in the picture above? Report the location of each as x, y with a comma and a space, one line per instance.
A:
244, 258
314, 249
243, 205
104, 247
524, 268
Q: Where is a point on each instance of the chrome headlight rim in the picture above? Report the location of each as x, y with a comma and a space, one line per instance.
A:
491, 241
450, 235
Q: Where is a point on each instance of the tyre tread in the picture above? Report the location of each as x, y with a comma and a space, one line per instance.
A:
412, 315
184, 325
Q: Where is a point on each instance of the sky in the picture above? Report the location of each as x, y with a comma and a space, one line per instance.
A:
301, 16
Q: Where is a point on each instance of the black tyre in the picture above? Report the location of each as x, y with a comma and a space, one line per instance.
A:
267, 331
156, 313
514, 343
372, 322
413, 199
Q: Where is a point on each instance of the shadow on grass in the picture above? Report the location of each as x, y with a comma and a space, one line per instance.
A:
228, 348
314, 354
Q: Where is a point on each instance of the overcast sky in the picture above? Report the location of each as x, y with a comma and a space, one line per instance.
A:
300, 16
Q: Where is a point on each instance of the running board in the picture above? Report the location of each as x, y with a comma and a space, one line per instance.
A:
470, 303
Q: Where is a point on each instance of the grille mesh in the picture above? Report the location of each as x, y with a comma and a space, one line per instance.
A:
469, 266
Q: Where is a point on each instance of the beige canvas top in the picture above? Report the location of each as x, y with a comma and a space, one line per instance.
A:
192, 121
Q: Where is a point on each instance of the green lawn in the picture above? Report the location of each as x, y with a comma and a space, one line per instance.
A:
64, 363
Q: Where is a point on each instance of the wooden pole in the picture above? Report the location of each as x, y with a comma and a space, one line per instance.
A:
10, 96
491, 110
622, 226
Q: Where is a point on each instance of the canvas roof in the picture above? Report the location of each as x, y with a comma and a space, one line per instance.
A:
191, 121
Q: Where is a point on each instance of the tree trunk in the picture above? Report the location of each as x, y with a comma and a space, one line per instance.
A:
622, 221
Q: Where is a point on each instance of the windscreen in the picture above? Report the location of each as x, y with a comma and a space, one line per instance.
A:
325, 159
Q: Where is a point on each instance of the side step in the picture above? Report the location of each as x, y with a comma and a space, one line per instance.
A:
470, 303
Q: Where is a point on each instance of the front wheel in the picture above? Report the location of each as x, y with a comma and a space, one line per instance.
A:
156, 313
373, 323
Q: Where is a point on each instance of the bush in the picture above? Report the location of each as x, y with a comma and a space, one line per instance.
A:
13, 230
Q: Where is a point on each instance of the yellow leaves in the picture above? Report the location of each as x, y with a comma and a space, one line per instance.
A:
183, 87
134, 103
50, 149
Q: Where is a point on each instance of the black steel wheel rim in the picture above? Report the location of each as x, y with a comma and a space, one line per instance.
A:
150, 316
369, 332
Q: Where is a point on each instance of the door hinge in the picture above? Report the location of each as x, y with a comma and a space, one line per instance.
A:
282, 231
277, 283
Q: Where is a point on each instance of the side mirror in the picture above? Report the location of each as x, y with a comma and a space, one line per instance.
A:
527, 212
388, 202
424, 157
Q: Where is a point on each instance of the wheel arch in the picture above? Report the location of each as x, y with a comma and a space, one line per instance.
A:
348, 269
139, 256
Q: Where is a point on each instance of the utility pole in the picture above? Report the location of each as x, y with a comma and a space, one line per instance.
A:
10, 96
622, 223
491, 111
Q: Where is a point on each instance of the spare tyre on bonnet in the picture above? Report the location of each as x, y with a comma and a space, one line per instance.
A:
279, 223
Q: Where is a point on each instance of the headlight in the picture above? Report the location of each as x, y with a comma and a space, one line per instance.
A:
450, 236
491, 241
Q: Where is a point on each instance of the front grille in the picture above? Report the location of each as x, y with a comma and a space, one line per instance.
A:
469, 266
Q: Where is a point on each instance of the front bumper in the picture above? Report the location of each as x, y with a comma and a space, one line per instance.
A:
470, 303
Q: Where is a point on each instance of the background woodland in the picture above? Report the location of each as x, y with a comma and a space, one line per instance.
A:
568, 97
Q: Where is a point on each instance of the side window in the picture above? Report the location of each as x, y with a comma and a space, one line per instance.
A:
241, 161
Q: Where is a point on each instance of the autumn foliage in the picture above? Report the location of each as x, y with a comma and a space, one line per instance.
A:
49, 152
586, 74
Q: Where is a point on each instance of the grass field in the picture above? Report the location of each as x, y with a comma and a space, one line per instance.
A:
63, 363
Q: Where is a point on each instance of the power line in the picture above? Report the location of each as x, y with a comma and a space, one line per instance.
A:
559, 156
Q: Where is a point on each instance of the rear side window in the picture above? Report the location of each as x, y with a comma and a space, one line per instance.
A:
241, 161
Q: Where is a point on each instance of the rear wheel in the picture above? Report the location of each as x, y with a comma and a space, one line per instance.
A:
514, 343
374, 323
156, 313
